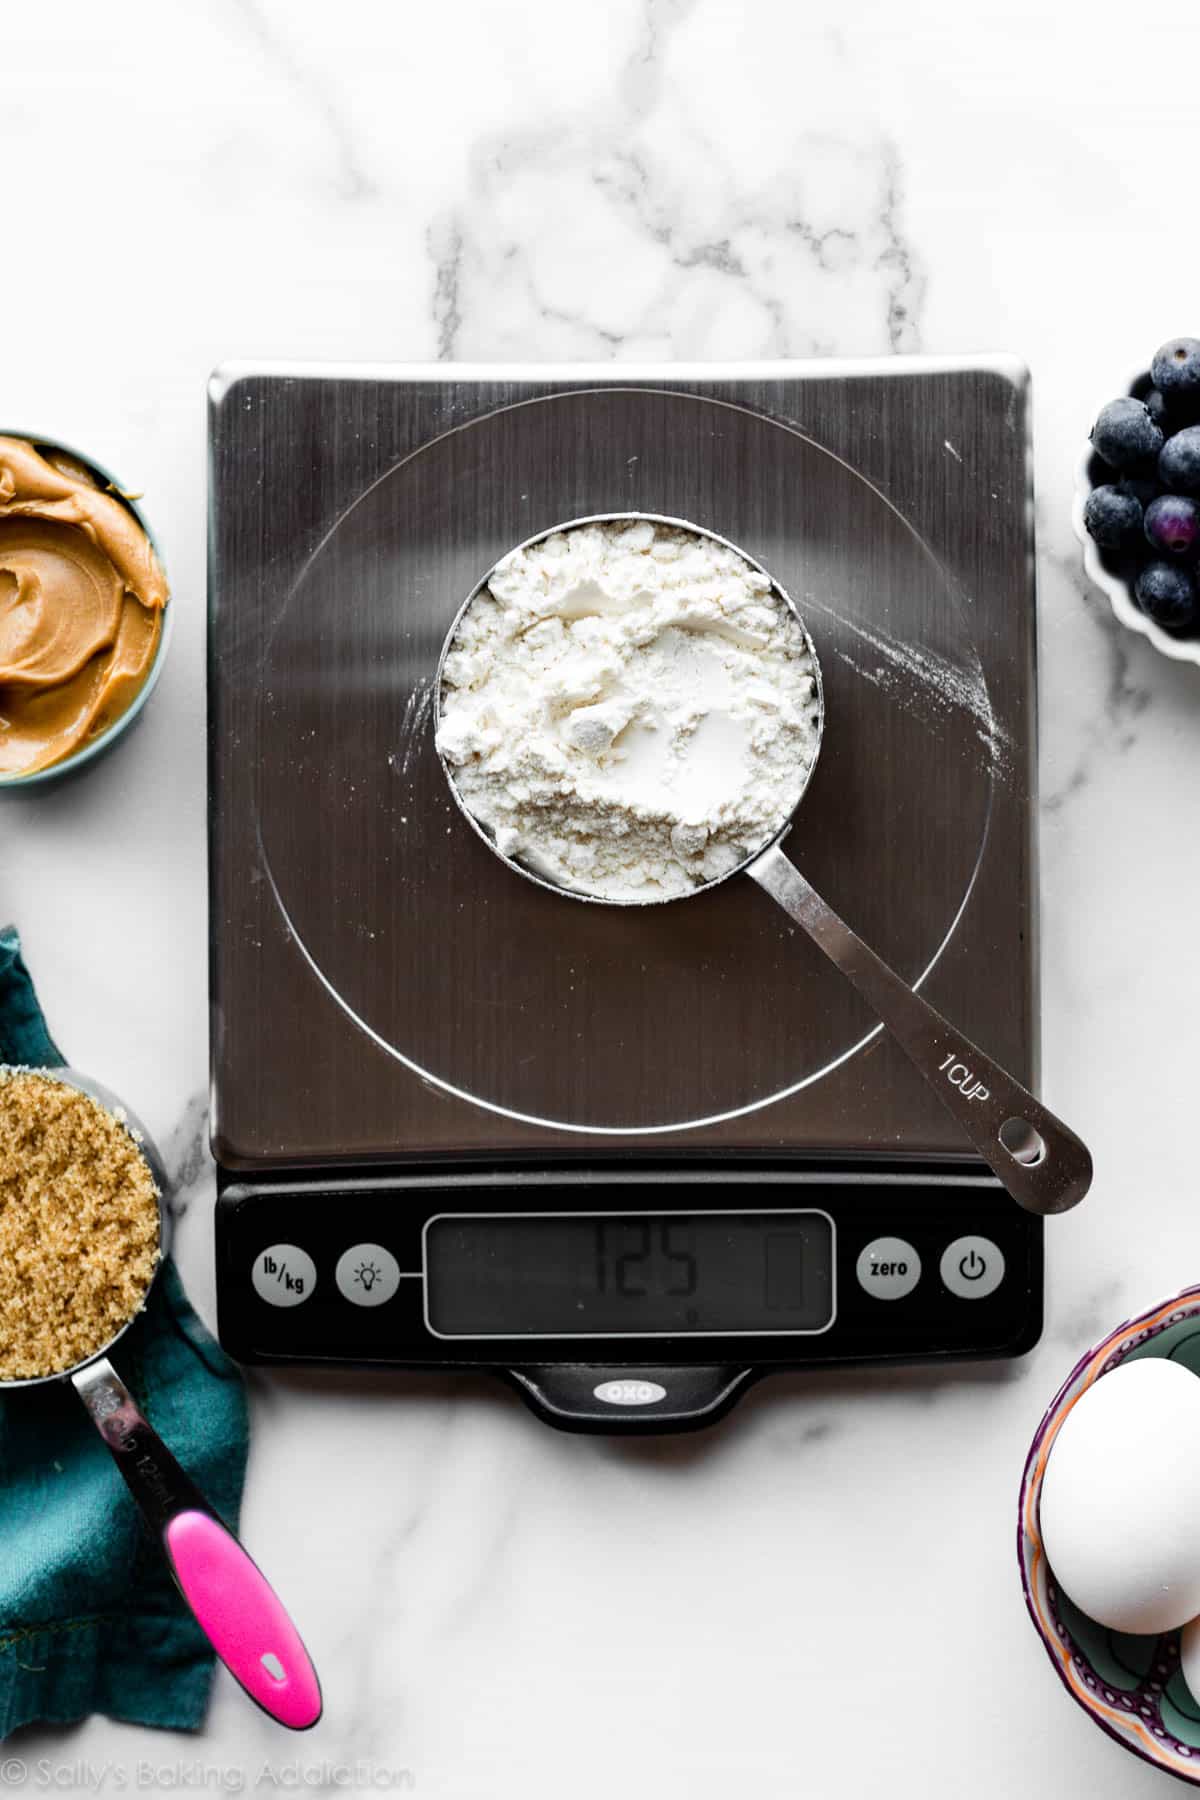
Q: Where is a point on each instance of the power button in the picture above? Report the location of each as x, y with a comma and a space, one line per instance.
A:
972, 1268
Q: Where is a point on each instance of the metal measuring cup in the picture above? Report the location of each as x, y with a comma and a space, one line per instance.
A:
229, 1597
1041, 1162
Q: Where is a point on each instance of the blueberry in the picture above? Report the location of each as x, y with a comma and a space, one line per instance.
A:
1173, 525
1176, 369
1179, 461
1125, 434
1143, 491
1113, 517
1167, 594
1156, 406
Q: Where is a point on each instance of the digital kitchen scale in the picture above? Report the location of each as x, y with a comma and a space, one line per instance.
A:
629, 1158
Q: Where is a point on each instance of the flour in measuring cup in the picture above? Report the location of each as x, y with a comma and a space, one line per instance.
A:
629, 709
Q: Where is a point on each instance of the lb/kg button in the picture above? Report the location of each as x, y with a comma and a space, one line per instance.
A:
888, 1268
284, 1275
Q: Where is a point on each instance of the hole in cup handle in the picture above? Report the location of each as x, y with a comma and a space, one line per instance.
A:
1024, 1143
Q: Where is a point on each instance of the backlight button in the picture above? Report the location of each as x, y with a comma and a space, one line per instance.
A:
367, 1275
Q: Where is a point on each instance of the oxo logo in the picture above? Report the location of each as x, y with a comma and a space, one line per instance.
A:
629, 1393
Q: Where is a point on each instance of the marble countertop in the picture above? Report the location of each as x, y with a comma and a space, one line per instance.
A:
819, 1597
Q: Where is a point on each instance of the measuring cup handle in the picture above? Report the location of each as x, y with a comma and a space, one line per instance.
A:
230, 1598
1042, 1163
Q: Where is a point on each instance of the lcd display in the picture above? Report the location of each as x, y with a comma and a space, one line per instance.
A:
628, 1274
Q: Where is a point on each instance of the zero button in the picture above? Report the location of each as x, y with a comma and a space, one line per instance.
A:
888, 1268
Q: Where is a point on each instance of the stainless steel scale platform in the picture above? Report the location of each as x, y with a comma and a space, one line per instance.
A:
403, 1032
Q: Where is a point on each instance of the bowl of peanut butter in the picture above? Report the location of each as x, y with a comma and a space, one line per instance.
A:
84, 616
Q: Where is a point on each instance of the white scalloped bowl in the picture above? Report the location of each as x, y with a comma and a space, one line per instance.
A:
1124, 606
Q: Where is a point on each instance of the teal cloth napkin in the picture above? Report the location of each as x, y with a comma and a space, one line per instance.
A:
90, 1620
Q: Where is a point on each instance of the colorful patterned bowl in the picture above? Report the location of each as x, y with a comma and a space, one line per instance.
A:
1131, 1686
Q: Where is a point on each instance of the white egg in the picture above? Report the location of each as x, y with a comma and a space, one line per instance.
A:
1120, 1502
1189, 1657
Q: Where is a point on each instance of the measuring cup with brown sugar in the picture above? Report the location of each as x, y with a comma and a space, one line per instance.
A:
83, 1231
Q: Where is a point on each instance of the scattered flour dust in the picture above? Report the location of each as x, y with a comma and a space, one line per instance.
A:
629, 709
925, 683
412, 724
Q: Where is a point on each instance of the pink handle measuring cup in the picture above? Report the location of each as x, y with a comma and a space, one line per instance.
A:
233, 1603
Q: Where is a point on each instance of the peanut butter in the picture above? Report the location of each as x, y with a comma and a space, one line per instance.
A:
82, 596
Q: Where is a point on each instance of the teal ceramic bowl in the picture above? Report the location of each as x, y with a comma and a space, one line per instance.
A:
97, 746
1130, 1686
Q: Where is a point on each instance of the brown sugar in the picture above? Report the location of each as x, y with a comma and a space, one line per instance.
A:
79, 1239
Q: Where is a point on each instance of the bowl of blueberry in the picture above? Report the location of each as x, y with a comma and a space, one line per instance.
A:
1137, 511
